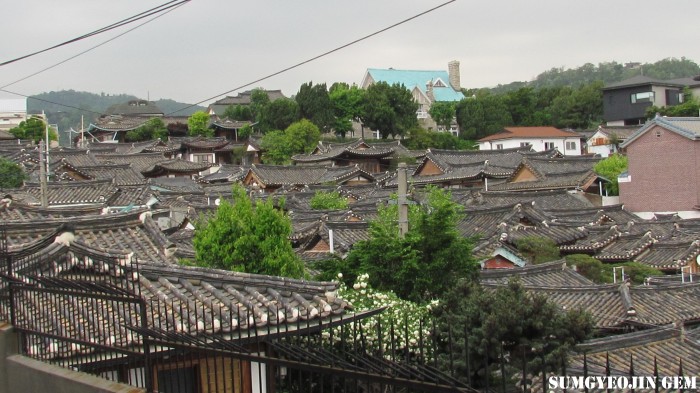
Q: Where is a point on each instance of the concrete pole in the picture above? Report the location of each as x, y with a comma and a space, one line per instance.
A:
42, 176
403, 201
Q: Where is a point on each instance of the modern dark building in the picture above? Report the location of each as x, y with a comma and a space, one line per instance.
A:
625, 103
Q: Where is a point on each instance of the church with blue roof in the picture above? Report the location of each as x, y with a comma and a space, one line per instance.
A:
425, 86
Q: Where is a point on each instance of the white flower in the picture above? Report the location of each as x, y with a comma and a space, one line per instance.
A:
356, 286
340, 275
363, 285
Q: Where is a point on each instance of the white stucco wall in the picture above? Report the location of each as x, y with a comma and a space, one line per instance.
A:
538, 144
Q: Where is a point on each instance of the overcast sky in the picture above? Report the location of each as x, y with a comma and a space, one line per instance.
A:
208, 47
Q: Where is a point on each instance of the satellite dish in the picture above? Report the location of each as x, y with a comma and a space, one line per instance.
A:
217, 201
697, 259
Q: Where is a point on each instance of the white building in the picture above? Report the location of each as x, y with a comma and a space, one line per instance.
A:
12, 112
540, 138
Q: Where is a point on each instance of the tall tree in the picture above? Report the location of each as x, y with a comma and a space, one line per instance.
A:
247, 237
443, 113
482, 114
259, 100
427, 261
280, 146
198, 124
11, 174
33, 128
610, 168
347, 104
390, 110
238, 112
153, 129
315, 105
280, 114
504, 323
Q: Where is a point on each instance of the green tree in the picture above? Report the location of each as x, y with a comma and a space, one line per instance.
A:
347, 102
442, 113
426, 262
506, 321
11, 174
238, 112
276, 148
315, 105
154, 128
588, 267
390, 110
279, 146
303, 136
538, 249
198, 124
328, 200
578, 107
610, 168
280, 114
33, 128
247, 237
482, 115
259, 100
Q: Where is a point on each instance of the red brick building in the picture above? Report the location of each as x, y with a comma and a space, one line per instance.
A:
664, 167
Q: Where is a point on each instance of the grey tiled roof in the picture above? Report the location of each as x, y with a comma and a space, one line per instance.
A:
655, 350
275, 175
125, 232
94, 192
177, 298
553, 274
140, 161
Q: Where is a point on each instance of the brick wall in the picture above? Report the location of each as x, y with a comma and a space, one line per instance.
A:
665, 173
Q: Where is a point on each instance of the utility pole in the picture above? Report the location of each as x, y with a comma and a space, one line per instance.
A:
42, 176
403, 199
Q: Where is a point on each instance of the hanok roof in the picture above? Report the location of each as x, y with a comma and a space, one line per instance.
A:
135, 108
179, 300
546, 174
530, 132
276, 175
688, 127
442, 90
115, 123
176, 165
244, 98
555, 274
655, 350
359, 148
93, 192
129, 232
141, 161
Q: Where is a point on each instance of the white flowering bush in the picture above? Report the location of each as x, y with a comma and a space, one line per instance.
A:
410, 321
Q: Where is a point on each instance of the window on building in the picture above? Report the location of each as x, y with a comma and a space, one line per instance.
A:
570, 145
647, 96
524, 144
204, 158
499, 146
549, 145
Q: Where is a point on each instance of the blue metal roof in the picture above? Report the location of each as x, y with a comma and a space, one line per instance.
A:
418, 79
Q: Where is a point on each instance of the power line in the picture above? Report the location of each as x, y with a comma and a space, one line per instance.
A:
267, 76
120, 23
317, 57
170, 9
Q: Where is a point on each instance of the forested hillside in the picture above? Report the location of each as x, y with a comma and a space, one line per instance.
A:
74, 104
610, 72
563, 98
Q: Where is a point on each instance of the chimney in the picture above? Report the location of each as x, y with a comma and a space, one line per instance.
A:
453, 71
429, 90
